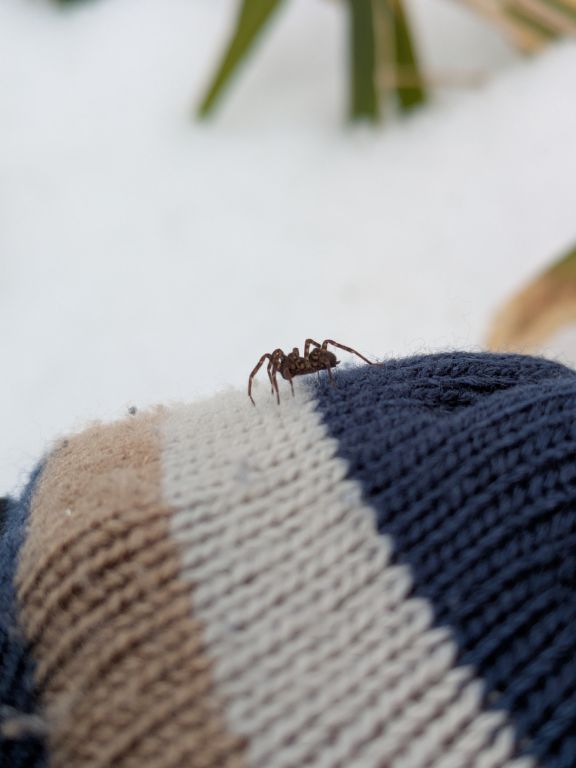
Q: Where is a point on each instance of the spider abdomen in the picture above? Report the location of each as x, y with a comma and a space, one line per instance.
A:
298, 367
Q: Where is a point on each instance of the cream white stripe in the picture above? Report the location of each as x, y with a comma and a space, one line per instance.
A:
322, 656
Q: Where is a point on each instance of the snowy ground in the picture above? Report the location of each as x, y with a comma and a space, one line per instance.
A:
145, 258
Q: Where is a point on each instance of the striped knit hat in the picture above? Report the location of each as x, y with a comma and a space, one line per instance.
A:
378, 574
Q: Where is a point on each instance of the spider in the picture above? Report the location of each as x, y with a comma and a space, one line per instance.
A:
292, 364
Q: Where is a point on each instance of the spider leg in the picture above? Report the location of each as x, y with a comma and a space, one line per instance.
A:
346, 349
291, 383
310, 343
270, 376
254, 372
330, 376
275, 380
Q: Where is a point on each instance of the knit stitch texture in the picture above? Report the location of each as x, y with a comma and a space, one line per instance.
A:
380, 573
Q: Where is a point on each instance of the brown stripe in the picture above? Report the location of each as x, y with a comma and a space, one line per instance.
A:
124, 674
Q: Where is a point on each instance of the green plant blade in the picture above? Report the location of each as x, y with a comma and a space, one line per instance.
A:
399, 73
363, 90
386, 75
252, 18
414, 94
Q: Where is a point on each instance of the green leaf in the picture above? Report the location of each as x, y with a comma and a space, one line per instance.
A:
399, 73
252, 18
409, 96
386, 75
363, 90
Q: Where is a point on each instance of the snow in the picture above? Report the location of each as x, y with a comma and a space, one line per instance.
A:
146, 258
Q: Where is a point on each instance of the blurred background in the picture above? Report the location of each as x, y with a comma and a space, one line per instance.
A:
147, 255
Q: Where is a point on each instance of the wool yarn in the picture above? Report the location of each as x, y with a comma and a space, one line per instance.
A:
375, 574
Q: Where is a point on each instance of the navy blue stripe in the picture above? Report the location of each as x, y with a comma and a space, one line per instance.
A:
21, 746
469, 461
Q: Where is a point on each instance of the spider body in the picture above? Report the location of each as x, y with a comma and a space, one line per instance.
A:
317, 357
295, 364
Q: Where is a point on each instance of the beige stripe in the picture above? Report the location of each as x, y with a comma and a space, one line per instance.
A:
121, 660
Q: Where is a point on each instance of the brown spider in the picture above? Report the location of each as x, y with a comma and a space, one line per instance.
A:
292, 364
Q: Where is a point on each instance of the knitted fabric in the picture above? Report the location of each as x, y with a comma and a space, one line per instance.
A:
380, 573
